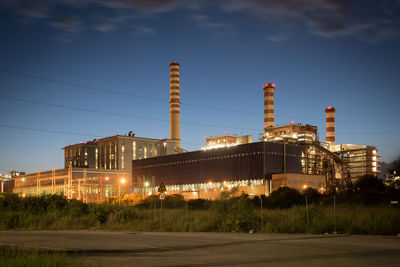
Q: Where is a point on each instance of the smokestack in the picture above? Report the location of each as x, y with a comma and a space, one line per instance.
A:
330, 126
174, 104
268, 105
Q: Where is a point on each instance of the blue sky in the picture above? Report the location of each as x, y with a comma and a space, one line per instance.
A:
72, 71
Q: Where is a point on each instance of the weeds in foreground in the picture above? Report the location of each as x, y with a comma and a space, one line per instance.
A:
14, 257
234, 214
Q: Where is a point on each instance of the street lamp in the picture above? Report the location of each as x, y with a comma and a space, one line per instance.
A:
122, 181
146, 184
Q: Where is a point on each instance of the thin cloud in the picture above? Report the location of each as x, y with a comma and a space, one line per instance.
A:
325, 18
143, 30
221, 29
68, 23
34, 10
104, 26
149, 5
378, 20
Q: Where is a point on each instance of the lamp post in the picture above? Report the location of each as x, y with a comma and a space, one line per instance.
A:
104, 187
334, 211
308, 218
261, 212
122, 181
146, 184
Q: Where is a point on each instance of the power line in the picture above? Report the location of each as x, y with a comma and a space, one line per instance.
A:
80, 85
118, 114
104, 90
45, 130
371, 133
9, 166
163, 120
118, 92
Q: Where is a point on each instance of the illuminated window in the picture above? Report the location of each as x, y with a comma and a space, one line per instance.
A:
145, 151
122, 156
97, 158
134, 150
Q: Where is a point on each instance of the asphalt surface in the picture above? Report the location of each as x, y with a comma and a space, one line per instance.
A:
212, 249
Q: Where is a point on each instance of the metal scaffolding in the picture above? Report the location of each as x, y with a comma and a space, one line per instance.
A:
88, 185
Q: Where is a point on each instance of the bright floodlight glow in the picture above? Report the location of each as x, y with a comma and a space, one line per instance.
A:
304, 186
23, 179
107, 178
123, 180
146, 184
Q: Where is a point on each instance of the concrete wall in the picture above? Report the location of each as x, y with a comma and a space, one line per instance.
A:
299, 181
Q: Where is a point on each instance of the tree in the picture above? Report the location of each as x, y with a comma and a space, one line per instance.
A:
284, 197
312, 195
368, 184
395, 170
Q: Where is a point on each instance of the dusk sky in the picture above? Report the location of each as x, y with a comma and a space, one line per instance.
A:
75, 70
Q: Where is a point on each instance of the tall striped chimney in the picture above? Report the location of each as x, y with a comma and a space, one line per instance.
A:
268, 105
174, 104
330, 126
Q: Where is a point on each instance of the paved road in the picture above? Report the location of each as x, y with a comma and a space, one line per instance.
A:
213, 249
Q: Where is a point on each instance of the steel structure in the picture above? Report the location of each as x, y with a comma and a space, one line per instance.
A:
74, 183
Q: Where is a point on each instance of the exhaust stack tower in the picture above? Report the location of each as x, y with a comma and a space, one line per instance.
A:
174, 104
330, 126
268, 105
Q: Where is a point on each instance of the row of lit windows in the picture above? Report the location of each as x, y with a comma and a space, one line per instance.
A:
215, 158
214, 185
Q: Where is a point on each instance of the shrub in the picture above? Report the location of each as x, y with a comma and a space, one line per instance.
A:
196, 204
77, 208
174, 201
312, 195
241, 217
283, 198
100, 212
368, 184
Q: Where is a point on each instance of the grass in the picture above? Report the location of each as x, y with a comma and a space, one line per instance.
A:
10, 257
235, 214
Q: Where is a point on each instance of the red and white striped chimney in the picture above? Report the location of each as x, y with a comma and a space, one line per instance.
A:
268, 105
330, 126
174, 104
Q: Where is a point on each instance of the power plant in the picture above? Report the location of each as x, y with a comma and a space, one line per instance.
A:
285, 155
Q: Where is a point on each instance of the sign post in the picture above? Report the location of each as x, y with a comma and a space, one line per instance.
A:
162, 189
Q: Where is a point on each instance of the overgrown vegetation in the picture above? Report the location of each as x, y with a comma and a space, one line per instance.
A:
363, 209
17, 258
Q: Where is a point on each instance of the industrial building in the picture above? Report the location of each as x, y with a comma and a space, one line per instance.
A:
250, 164
286, 155
115, 153
96, 169
226, 140
88, 185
